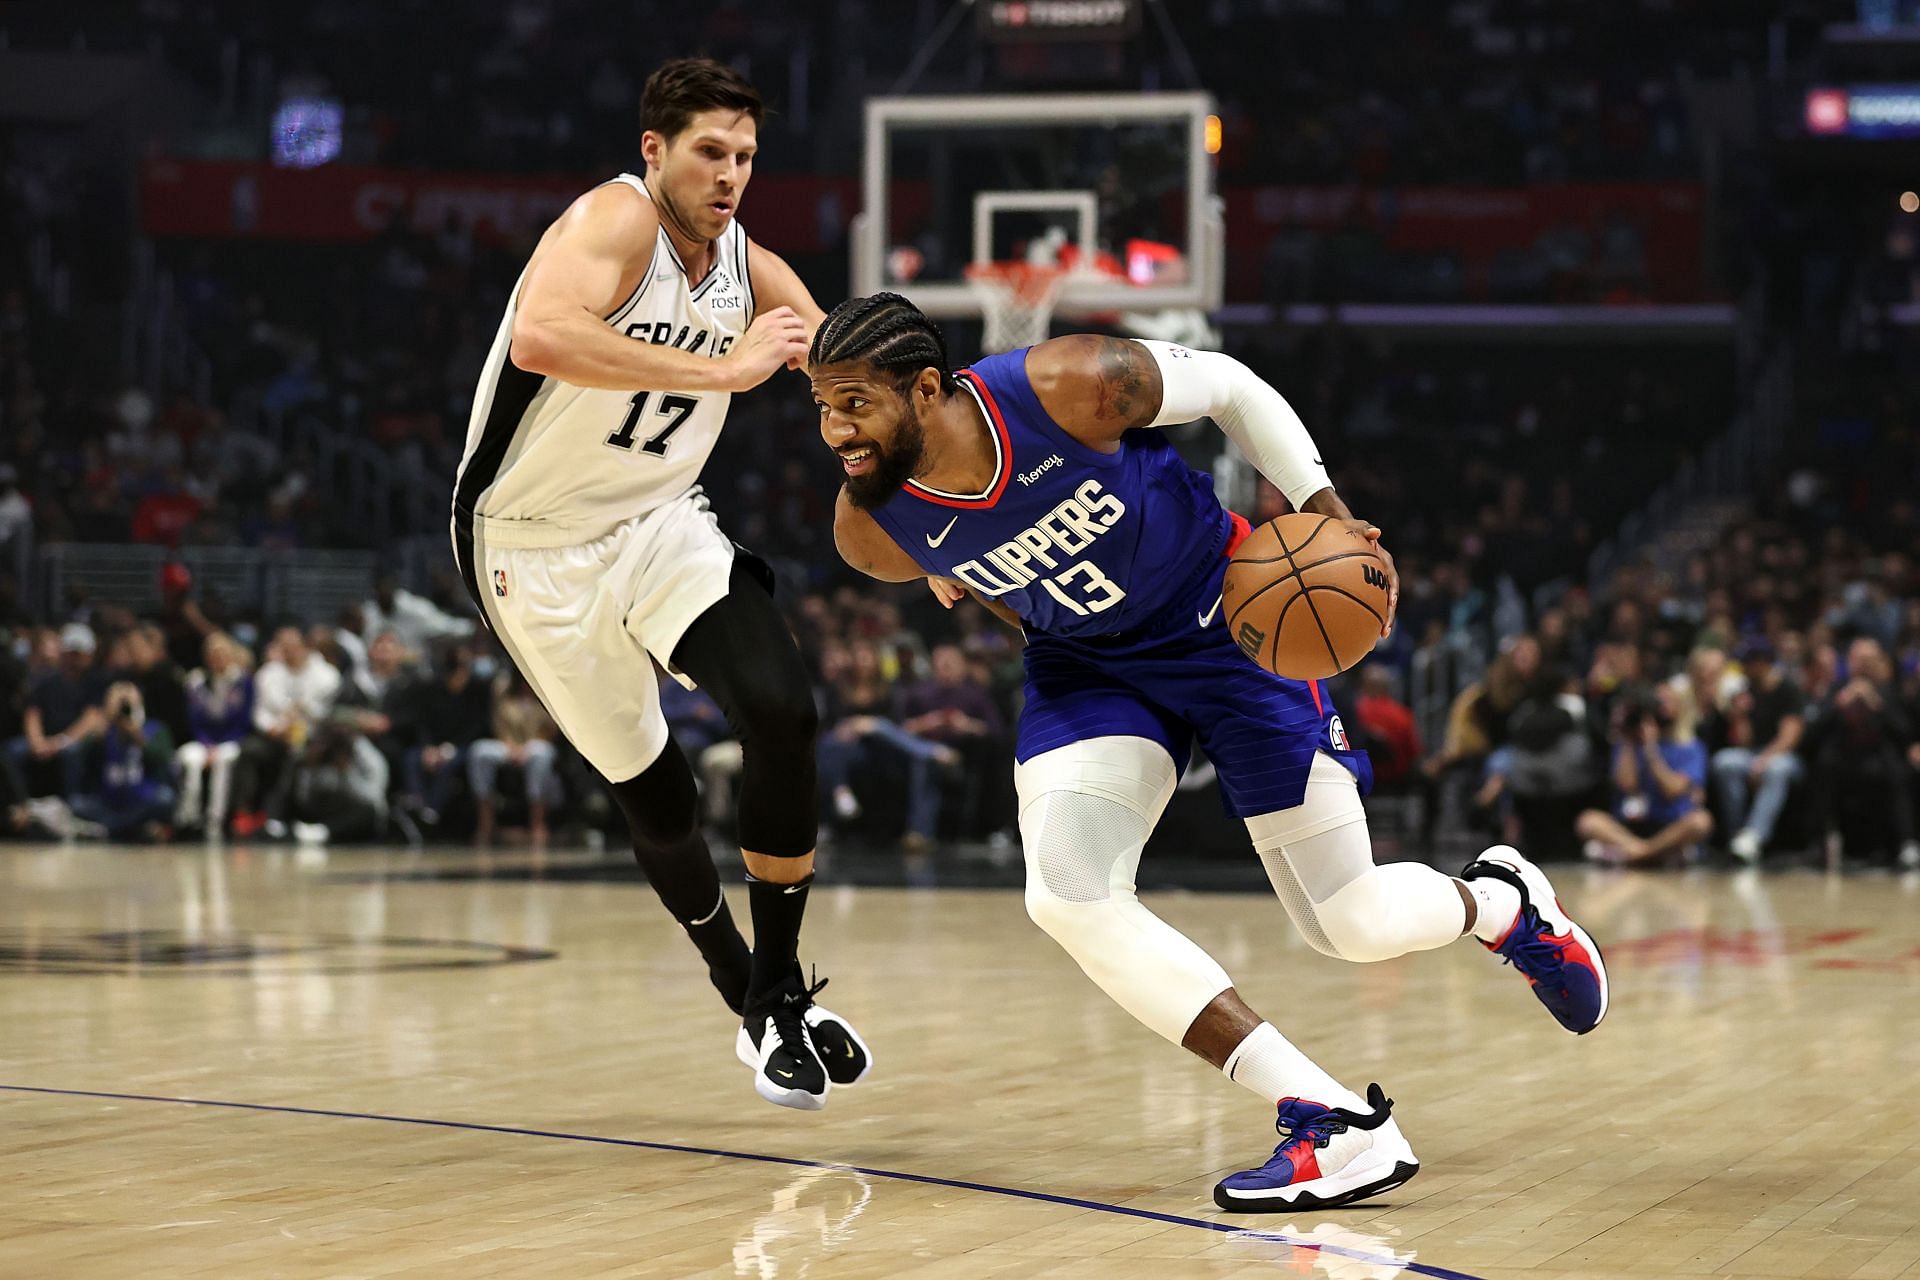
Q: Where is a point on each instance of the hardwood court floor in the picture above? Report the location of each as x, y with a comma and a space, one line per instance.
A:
481, 1077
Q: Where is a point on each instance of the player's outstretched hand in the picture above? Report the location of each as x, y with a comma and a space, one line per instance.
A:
1371, 533
947, 591
776, 339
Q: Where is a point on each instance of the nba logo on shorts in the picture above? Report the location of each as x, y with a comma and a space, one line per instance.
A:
500, 582
1336, 732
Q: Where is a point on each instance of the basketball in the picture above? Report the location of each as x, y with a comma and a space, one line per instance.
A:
1305, 596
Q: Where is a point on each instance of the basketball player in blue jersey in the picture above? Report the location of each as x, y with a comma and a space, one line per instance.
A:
1032, 480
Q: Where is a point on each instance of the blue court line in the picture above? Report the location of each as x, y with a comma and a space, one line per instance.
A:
1074, 1202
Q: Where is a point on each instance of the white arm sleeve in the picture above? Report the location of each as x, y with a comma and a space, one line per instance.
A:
1207, 384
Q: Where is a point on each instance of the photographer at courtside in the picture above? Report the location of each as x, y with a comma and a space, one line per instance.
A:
131, 796
1659, 782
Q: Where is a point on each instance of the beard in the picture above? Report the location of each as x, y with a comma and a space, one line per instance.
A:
893, 466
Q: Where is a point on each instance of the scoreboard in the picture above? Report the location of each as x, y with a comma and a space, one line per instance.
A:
1021, 21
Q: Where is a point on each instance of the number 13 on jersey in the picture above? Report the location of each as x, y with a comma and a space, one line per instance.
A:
1099, 592
675, 410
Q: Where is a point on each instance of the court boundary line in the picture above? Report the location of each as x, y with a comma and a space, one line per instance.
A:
1017, 1193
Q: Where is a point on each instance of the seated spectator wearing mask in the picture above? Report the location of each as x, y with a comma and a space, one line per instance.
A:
861, 702
1761, 730
339, 790
1387, 726
62, 716
1659, 786
162, 684
455, 710
953, 710
523, 735
380, 701
219, 717
1477, 732
1554, 764
1862, 776
292, 693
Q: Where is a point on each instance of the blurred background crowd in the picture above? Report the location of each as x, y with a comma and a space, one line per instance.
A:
1661, 580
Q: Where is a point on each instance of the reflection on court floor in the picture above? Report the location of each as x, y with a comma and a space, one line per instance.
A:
465, 1074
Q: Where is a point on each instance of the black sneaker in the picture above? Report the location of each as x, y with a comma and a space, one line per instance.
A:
774, 1041
845, 1054
847, 1058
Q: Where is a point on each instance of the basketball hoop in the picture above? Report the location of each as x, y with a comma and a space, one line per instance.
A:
1016, 301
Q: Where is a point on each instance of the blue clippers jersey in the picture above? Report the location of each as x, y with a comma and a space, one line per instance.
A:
1075, 541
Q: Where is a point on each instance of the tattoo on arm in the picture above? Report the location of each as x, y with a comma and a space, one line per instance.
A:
1127, 382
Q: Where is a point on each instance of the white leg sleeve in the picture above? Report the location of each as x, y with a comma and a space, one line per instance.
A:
1085, 813
1320, 860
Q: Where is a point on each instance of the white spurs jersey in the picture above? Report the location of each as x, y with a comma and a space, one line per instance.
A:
574, 462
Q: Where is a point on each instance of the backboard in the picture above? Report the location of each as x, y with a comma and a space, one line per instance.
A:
1119, 185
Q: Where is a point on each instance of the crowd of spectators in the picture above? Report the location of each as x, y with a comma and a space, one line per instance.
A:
1758, 697
402, 721
1761, 697
1765, 696
1471, 91
326, 739
1474, 92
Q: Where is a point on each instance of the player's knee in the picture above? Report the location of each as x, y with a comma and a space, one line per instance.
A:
1094, 933
1041, 907
1085, 813
778, 712
662, 825
1069, 876
1357, 942
1346, 932
661, 802
1056, 917
1379, 916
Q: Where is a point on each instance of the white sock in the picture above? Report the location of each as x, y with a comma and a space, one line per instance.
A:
1270, 1066
1499, 904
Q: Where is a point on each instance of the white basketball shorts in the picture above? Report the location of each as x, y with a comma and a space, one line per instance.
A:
580, 619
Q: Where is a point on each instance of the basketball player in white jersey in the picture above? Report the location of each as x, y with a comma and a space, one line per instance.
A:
588, 546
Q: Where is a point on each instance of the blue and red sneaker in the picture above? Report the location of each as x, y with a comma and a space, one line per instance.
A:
1556, 956
1327, 1156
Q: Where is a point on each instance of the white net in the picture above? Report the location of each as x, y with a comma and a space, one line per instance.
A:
1016, 302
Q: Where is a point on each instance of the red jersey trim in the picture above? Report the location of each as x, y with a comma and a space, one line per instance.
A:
1006, 456
1237, 534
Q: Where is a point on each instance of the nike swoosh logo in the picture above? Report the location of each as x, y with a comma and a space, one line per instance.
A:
850, 1052
793, 889
784, 1075
934, 542
1207, 617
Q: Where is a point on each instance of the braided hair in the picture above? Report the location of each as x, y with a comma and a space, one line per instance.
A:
888, 332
